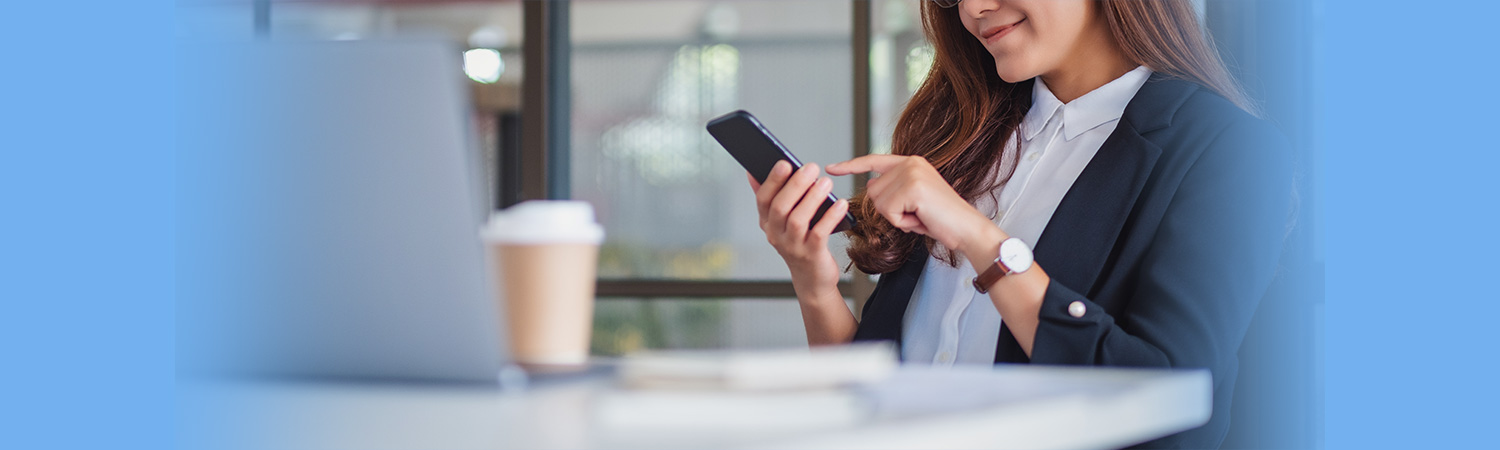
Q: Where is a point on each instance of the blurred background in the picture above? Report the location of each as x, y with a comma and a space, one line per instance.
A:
605, 101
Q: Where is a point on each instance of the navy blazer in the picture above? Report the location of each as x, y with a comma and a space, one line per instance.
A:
1169, 237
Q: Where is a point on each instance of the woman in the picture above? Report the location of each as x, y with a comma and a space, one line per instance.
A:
1106, 139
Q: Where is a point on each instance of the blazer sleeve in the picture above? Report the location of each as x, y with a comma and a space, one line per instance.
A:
1199, 282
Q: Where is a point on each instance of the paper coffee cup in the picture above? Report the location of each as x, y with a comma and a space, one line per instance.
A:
546, 253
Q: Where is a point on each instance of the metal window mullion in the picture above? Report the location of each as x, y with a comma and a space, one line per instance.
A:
559, 99
545, 116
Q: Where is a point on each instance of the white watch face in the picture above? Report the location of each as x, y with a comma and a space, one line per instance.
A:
1015, 255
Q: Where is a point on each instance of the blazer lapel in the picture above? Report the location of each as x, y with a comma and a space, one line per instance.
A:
1081, 234
884, 312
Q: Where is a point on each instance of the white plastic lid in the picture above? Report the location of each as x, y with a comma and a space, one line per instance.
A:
544, 222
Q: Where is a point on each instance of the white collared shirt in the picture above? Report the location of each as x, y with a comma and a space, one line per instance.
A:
947, 320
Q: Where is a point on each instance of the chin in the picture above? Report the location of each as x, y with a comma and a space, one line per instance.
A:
1013, 74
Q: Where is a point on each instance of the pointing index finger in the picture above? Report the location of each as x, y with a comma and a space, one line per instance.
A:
867, 163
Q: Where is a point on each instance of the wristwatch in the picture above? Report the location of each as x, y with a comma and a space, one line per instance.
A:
1015, 257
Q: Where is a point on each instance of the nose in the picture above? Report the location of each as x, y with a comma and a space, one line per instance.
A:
978, 8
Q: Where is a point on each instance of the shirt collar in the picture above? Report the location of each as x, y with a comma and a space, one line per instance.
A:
1098, 107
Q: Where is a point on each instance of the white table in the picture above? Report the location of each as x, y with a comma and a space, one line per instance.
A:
1017, 407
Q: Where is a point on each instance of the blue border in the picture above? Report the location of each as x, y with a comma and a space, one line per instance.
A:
1408, 95
87, 322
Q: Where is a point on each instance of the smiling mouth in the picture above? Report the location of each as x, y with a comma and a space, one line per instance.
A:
996, 32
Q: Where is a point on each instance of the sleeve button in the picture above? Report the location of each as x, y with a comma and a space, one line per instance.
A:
1076, 309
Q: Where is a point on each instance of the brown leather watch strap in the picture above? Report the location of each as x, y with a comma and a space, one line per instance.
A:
991, 275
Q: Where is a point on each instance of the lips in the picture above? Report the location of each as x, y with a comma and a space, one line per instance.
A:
993, 33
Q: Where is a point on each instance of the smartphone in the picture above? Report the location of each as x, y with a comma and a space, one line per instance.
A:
757, 150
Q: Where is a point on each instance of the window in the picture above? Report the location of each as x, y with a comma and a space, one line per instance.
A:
647, 76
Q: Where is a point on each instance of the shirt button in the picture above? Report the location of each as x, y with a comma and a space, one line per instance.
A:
1032, 156
945, 357
1076, 309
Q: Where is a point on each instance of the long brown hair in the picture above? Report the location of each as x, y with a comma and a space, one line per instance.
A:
964, 112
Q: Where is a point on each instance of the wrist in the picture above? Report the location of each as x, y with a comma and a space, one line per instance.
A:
821, 298
982, 246
814, 288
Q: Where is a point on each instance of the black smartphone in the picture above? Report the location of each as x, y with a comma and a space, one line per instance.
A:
757, 150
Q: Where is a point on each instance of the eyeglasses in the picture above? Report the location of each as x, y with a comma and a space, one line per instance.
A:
946, 3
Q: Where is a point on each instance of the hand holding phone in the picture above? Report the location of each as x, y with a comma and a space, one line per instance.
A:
792, 202
758, 151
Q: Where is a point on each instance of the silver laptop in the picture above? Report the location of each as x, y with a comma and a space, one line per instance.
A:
330, 198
